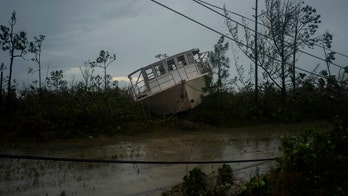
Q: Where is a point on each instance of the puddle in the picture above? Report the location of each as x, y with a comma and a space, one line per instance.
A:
28, 177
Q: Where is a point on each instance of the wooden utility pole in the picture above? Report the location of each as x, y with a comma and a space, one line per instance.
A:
256, 54
295, 50
294, 60
1, 79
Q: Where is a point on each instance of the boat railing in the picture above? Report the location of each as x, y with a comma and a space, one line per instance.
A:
138, 88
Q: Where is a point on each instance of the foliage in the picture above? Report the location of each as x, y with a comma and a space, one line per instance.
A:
220, 65
16, 44
195, 183
313, 163
78, 111
258, 185
199, 183
224, 180
225, 175
75, 112
56, 81
103, 61
287, 26
310, 102
35, 48
224, 109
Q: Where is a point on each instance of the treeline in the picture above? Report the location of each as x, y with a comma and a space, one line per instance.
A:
309, 102
275, 87
50, 108
73, 112
78, 111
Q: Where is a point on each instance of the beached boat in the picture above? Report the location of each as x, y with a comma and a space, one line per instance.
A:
172, 84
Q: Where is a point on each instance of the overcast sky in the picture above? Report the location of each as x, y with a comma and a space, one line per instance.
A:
135, 30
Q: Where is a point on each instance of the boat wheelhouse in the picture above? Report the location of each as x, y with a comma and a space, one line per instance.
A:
173, 84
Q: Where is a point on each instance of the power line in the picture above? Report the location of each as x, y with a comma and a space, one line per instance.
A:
224, 16
235, 13
199, 23
228, 18
195, 21
44, 158
311, 73
217, 7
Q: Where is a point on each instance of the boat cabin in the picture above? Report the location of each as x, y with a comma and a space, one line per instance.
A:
167, 73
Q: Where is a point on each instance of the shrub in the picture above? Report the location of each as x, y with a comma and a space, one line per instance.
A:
258, 185
73, 113
198, 183
313, 163
195, 183
225, 175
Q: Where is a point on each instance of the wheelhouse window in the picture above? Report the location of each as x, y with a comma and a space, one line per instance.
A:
149, 73
159, 69
181, 60
171, 65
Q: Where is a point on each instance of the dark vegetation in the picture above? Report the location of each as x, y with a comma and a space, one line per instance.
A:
61, 112
313, 163
308, 103
72, 113
199, 183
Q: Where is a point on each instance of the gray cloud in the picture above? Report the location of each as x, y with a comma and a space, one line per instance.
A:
136, 30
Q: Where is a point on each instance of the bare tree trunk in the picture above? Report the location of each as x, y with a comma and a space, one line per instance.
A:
256, 56
8, 101
283, 64
1, 78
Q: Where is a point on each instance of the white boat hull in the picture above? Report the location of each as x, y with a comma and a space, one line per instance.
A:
181, 97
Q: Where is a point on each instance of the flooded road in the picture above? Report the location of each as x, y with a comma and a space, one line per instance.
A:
33, 177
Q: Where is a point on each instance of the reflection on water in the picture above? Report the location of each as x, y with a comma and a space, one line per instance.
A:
28, 177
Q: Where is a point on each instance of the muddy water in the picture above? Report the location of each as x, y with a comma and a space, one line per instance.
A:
28, 177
